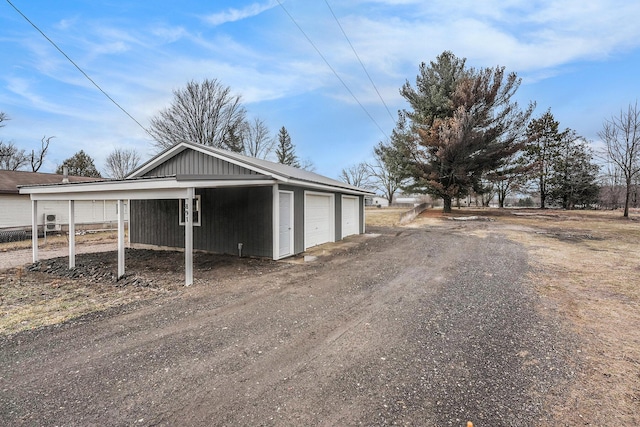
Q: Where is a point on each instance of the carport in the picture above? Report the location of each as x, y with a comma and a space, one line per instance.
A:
122, 191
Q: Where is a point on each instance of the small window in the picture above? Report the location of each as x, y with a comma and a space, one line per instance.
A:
196, 211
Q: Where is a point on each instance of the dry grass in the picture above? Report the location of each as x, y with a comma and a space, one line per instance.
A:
29, 300
383, 217
590, 267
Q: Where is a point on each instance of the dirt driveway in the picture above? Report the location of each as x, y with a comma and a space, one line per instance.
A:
414, 327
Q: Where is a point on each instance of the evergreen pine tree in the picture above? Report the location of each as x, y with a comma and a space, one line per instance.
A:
285, 151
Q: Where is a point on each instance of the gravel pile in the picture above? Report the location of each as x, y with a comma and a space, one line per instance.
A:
93, 271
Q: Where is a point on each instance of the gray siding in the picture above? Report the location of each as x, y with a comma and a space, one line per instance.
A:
338, 216
190, 162
228, 216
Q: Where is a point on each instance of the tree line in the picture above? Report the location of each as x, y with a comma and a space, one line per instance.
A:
463, 134
202, 112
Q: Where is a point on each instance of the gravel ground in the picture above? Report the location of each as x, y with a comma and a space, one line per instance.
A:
415, 327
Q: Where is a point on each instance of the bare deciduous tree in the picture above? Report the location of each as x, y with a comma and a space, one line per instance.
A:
356, 175
257, 142
204, 113
36, 159
121, 163
621, 136
11, 157
385, 174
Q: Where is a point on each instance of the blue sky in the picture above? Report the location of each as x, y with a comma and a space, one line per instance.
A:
580, 59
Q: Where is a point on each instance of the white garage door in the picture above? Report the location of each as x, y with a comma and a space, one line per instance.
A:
350, 216
318, 219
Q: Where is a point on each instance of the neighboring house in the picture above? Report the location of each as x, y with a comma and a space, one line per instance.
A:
195, 197
409, 200
376, 201
15, 208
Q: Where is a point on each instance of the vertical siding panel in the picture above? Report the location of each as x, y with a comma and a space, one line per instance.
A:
196, 163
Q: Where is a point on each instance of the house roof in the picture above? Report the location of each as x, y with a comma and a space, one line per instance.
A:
277, 171
10, 180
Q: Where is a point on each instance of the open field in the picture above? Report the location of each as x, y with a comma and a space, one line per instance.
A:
583, 265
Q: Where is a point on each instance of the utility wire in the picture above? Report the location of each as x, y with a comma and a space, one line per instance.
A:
79, 69
331, 68
360, 61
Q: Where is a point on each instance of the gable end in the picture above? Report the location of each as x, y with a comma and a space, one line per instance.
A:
191, 162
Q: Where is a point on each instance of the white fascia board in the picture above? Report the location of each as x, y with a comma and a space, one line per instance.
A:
178, 193
329, 188
102, 186
158, 160
165, 188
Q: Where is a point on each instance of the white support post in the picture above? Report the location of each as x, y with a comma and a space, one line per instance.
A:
363, 206
34, 230
275, 200
188, 238
72, 234
120, 238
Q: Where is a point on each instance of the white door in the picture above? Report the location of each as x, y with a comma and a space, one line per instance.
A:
285, 230
350, 216
318, 221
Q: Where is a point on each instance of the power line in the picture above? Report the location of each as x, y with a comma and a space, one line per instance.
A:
360, 61
332, 69
79, 69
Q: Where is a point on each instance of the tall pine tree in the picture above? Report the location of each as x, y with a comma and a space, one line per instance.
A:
462, 124
541, 150
285, 151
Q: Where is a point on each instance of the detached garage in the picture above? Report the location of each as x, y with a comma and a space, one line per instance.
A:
195, 197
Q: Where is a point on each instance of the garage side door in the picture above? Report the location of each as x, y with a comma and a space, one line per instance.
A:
350, 216
318, 219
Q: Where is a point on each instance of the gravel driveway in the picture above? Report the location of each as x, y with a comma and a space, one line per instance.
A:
415, 327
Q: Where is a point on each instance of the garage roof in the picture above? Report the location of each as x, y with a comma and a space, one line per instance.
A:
277, 171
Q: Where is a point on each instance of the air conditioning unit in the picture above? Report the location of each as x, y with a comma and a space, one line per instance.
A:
51, 223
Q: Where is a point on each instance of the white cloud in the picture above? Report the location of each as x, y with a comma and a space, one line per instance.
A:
168, 34
233, 15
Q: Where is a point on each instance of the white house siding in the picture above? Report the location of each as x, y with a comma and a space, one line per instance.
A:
15, 211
